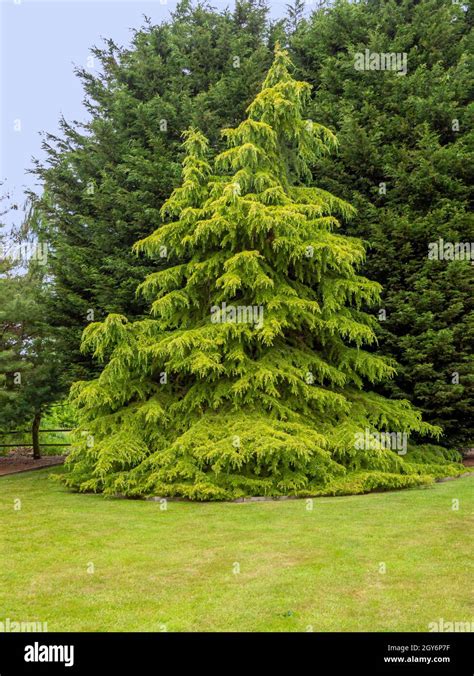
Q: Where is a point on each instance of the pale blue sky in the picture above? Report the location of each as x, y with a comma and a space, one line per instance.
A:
40, 42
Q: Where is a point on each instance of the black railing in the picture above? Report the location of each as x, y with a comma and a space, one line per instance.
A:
7, 434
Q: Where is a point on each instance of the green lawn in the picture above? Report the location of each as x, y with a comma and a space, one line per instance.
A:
298, 568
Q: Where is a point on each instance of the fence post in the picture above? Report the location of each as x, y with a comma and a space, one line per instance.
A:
35, 435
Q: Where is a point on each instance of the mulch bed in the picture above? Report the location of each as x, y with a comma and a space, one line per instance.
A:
468, 460
21, 460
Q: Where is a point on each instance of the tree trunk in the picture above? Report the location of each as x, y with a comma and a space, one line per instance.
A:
35, 435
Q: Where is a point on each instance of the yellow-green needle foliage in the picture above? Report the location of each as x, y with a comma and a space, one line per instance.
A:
249, 377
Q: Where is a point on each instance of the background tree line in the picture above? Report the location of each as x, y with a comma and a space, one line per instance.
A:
405, 160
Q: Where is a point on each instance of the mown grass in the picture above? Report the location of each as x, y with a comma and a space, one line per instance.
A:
173, 569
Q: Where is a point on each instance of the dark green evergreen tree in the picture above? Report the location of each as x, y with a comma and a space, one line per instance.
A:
406, 162
30, 362
105, 181
295, 13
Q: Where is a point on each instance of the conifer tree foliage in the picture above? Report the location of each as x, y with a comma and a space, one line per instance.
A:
29, 359
406, 162
250, 376
103, 186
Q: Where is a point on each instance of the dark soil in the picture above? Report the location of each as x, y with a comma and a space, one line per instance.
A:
21, 460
